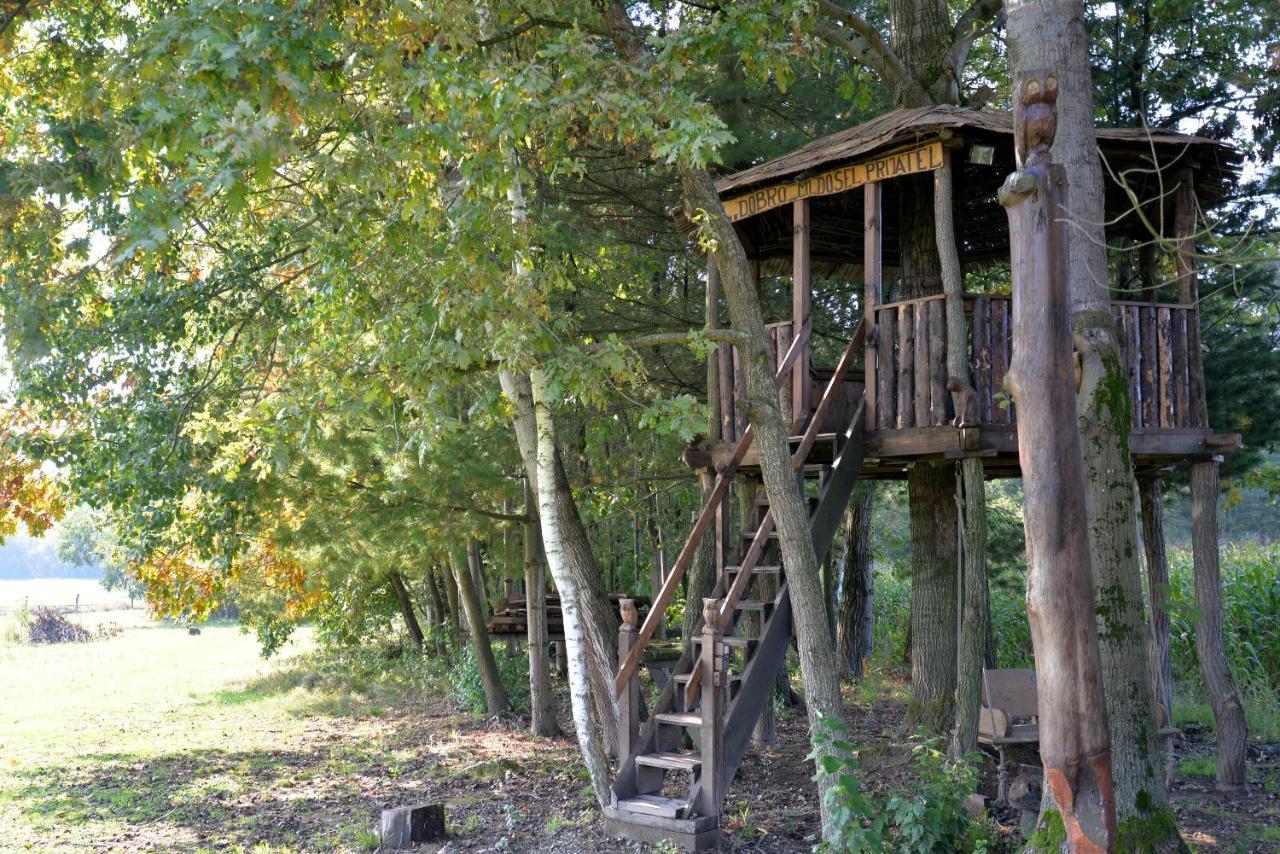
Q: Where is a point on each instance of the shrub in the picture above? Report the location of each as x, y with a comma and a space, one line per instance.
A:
48, 626
929, 817
468, 688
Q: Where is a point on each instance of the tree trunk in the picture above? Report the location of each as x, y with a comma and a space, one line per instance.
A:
599, 621
1228, 713
1074, 741
451, 595
1050, 34
560, 562
441, 612
542, 714
931, 491
857, 591
1150, 494
975, 617
495, 695
406, 610
700, 577
760, 401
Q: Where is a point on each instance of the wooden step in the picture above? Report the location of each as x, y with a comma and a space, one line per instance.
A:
683, 678
749, 536
652, 805
671, 761
731, 640
679, 718
758, 569
752, 605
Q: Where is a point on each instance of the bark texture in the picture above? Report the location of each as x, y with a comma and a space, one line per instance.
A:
1228, 713
1150, 494
559, 562
1050, 35
931, 491
857, 592
542, 714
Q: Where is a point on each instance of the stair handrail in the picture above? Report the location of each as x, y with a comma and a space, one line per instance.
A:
756, 549
707, 515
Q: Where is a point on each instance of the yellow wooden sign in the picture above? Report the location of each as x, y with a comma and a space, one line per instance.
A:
925, 158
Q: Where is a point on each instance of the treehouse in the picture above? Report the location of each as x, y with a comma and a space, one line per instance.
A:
837, 210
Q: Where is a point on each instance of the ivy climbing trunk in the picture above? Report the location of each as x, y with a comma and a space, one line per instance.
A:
1050, 34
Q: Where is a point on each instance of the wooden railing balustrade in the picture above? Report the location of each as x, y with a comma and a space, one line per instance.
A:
908, 350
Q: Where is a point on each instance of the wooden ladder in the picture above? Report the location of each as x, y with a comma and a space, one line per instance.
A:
724, 677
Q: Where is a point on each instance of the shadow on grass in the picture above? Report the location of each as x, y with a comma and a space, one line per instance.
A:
311, 800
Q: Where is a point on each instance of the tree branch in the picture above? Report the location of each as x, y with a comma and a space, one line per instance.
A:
969, 26
867, 47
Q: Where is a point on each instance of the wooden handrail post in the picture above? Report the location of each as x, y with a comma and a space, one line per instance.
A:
629, 707
712, 729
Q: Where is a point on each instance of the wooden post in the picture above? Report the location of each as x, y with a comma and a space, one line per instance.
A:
801, 294
906, 365
712, 321
1184, 223
629, 704
1075, 745
872, 273
712, 729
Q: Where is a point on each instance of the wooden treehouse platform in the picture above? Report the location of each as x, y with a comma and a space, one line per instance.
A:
832, 209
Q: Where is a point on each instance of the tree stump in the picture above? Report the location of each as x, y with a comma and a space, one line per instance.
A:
404, 826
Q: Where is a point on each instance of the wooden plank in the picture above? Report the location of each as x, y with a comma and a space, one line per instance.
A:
801, 294
872, 272
1164, 366
921, 360
886, 370
999, 358
920, 158
981, 356
1133, 358
937, 328
1148, 368
1182, 391
906, 366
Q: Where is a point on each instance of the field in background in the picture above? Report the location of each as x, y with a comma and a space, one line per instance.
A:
60, 593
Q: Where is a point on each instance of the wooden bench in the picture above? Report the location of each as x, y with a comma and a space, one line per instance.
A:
1008, 718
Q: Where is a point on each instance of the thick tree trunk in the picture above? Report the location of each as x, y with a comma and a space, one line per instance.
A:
931, 491
857, 592
478, 578
1074, 742
495, 695
1150, 495
1228, 713
406, 610
542, 714
760, 401
559, 561
1050, 34
599, 621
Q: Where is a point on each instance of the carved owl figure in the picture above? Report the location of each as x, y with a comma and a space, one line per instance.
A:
1039, 120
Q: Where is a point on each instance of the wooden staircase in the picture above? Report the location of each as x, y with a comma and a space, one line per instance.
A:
677, 766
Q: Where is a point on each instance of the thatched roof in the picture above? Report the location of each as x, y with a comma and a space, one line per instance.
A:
981, 222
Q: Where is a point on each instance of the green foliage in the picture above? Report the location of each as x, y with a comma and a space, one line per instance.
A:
468, 688
929, 817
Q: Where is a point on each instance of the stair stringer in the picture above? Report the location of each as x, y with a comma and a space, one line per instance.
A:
771, 651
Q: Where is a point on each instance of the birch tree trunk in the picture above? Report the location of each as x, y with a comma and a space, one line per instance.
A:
1050, 34
495, 694
542, 714
559, 562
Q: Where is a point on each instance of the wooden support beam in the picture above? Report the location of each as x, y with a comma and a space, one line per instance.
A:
872, 275
1184, 224
801, 295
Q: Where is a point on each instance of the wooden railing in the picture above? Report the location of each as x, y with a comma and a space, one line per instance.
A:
713, 508
908, 350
